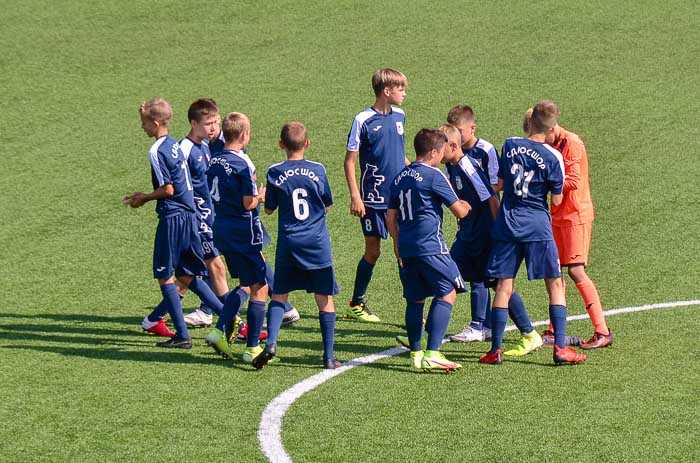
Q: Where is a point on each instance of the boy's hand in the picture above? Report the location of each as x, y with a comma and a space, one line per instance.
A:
261, 193
134, 200
357, 207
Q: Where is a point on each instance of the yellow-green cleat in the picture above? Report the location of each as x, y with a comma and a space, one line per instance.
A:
361, 313
528, 343
251, 352
435, 360
417, 358
217, 340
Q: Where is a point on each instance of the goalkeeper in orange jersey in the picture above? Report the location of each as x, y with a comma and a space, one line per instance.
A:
572, 222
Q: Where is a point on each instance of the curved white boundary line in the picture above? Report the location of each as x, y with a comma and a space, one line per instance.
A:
270, 431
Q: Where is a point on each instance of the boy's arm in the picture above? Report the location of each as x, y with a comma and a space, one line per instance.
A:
138, 199
392, 224
460, 208
357, 207
494, 204
557, 199
251, 202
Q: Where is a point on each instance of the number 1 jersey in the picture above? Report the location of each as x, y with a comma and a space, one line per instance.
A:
530, 171
301, 191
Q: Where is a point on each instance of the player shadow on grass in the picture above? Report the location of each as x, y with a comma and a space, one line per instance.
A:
81, 318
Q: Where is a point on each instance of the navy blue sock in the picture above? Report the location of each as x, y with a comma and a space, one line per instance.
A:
232, 307
327, 322
518, 313
270, 277
206, 295
557, 315
275, 311
414, 324
499, 318
479, 299
438, 319
363, 275
256, 319
171, 299
203, 306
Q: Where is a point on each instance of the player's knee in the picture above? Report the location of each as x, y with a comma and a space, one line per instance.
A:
372, 255
450, 298
577, 273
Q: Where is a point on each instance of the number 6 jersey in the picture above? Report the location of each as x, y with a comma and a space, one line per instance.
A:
530, 171
301, 191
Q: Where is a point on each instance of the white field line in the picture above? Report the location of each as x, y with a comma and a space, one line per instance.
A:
270, 431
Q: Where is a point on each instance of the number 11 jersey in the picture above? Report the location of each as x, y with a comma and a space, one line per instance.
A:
530, 171
301, 191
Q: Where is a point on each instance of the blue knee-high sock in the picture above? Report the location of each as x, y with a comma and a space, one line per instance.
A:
438, 319
275, 312
414, 324
499, 318
232, 307
171, 299
327, 322
256, 318
518, 313
206, 295
203, 306
270, 277
363, 275
557, 315
479, 299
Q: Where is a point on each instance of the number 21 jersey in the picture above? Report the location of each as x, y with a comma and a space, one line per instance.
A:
530, 171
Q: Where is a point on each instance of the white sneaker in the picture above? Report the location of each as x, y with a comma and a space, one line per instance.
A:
469, 334
198, 319
290, 317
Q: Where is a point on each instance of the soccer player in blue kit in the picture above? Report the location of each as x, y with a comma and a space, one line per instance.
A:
300, 190
377, 138
239, 234
529, 170
414, 219
481, 151
472, 245
178, 249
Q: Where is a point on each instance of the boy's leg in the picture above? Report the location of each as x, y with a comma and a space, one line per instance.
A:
326, 319
171, 299
530, 339
601, 336
275, 313
439, 318
363, 275
291, 315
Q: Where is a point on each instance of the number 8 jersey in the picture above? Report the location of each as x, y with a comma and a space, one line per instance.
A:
530, 171
300, 189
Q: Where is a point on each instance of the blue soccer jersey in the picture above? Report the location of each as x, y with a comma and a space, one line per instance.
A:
486, 157
530, 171
418, 193
472, 185
231, 176
216, 146
379, 138
301, 191
168, 166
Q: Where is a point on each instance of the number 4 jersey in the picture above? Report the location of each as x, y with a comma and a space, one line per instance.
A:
530, 171
301, 191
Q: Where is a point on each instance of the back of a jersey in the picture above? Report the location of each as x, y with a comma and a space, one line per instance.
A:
168, 166
197, 157
530, 171
301, 192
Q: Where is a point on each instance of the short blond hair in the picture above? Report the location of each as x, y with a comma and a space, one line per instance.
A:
294, 136
526, 120
545, 115
157, 110
386, 77
234, 125
460, 114
452, 132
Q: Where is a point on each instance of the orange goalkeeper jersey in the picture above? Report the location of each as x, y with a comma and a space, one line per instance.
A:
577, 206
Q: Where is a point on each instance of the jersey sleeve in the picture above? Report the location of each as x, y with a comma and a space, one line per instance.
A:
556, 175
572, 164
441, 186
271, 193
248, 186
326, 195
477, 178
493, 165
160, 168
354, 136
393, 197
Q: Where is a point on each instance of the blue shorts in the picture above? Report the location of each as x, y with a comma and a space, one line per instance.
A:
374, 223
541, 258
318, 281
472, 261
205, 219
248, 268
426, 276
177, 249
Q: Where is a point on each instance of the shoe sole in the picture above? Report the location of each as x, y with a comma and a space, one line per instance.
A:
290, 321
350, 317
261, 360
198, 325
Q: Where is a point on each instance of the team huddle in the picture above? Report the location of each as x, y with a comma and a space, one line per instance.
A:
208, 205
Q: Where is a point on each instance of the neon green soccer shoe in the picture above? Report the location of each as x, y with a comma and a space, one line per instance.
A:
217, 340
434, 360
528, 343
